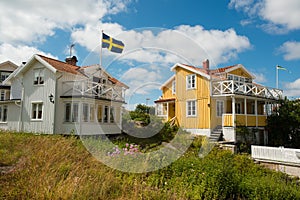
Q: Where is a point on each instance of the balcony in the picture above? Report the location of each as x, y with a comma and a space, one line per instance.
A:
87, 88
227, 87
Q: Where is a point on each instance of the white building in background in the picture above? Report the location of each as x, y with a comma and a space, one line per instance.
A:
49, 96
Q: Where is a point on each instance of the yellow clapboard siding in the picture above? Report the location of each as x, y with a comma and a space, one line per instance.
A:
240, 120
167, 91
200, 94
262, 120
227, 121
251, 120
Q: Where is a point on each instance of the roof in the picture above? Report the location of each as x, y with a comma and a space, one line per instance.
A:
117, 82
56, 65
167, 82
164, 100
200, 71
61, 66
11, 64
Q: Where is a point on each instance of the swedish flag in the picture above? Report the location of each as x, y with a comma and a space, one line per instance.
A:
112, 44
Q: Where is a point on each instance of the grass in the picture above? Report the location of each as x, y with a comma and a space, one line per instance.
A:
58, 167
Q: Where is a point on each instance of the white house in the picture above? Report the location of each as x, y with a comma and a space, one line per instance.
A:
51, 96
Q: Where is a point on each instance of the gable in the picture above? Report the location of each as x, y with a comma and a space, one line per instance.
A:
191, 69
240, 70
8, 66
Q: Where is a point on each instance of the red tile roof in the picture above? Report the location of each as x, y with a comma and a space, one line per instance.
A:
117, 82
65, 67
61, 66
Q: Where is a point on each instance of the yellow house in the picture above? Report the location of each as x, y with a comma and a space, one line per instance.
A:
211, 102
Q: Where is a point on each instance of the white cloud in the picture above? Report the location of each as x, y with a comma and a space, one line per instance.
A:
31, 21
292, 89
259, 77
20, 53
291, 50
285, 13
141, 81
188, 44
280, 16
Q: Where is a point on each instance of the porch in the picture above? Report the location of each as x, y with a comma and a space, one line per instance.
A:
165, 108
239, 110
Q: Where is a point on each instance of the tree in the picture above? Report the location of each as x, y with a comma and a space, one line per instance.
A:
284, 124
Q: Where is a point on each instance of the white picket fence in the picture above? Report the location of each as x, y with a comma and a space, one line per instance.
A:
276, 154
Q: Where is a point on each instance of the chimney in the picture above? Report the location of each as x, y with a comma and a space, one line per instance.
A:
206, 65
72, 61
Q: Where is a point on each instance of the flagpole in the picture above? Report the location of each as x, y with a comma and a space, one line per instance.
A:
276, 76
101, 48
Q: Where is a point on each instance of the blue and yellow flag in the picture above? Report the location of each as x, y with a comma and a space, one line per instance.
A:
112, 44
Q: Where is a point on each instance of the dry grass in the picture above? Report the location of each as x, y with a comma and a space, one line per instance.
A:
56, 167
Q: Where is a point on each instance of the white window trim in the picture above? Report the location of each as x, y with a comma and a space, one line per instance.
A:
187, 82
37, 102
222, 101
39, 69
1, 116
173, 87
71, 112
102, 113
187, 106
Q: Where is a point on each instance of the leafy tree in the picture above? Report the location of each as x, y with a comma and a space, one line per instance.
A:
284, 124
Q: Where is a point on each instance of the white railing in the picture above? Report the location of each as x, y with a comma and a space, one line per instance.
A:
92, 89
276, 154
236, 87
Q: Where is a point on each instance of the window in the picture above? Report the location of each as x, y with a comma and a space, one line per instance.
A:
99, 113
238, 108
112, 115
4, 76
3, 113
37, 111
92, 113
191, 108
2, 95
71, 112
68, 112
85, 112
220, 108
162, 109
75, 112
38, 77
174, 87
106, 113
191, 81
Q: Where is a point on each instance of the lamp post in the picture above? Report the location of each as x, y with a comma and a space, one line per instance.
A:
147, 99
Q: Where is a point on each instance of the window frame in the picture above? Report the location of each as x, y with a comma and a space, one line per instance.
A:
173, 87
74, 112
191, 81
191, 113
35, 105
218, 112
40, 78
3, 113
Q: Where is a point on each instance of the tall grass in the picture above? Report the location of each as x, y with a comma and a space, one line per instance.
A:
57, 167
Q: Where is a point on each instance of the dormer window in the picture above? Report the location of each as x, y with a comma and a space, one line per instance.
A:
38, 77
238, 78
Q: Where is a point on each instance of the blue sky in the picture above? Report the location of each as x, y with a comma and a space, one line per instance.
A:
157, 34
